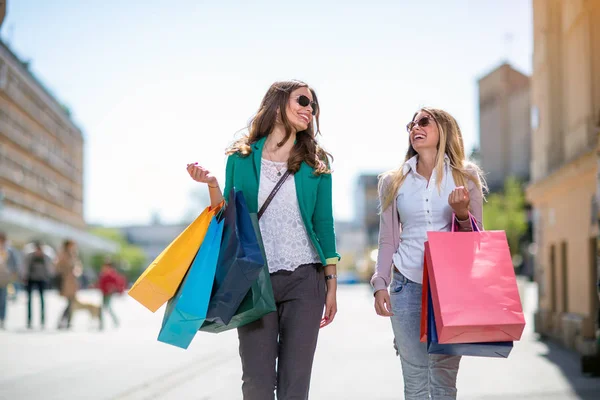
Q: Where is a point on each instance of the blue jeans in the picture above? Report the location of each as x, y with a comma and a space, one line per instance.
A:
3, 294
424, 374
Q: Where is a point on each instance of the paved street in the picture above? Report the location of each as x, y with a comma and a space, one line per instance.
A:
129, 364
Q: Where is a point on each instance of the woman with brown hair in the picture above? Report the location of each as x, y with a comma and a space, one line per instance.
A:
277, 351
434, 184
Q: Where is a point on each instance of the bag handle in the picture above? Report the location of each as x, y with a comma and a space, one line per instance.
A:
273, 193
471, 218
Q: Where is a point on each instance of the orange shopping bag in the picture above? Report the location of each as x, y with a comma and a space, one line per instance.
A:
160, 280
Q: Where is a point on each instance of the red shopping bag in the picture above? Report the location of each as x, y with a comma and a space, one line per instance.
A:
473, 287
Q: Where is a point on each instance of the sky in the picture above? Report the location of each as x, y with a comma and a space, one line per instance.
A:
156, 84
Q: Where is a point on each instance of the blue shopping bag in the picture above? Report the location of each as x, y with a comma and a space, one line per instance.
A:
482, 349
240, 261
186, 311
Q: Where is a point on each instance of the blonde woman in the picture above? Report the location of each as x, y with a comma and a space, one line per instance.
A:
434, 183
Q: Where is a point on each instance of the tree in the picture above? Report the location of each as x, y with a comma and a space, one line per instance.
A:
506, 211
130, 259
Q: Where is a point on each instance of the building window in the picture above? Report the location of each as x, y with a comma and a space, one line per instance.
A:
565, 276
595, 275
552, 278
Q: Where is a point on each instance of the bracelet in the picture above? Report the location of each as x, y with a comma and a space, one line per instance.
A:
214, 187
332, 276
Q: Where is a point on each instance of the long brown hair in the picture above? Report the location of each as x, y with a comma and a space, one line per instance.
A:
262, 124
451, 141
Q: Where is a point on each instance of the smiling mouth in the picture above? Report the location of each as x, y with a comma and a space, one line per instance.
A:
304, 117
418, 137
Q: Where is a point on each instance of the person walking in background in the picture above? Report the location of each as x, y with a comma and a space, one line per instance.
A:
68, 268
435, 184
8, 274
109, 283
37, 269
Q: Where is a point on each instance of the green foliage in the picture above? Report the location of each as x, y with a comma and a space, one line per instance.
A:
130, 259
506, 211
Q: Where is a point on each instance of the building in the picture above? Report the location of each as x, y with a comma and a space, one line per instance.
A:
2, 11
41, 163
504, 125
564, 167
152, 239
367, 207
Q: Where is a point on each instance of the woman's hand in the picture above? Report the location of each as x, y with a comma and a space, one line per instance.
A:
383, 305
202, 175
459, 201
330, 308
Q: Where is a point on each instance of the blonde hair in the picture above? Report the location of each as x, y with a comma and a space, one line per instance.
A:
451, 141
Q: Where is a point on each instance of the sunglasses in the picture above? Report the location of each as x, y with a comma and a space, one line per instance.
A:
304, 101
422, 122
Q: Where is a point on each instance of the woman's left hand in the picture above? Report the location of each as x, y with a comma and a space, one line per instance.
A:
330, 308
459, 201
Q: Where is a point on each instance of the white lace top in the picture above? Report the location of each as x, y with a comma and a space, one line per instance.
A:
286, 242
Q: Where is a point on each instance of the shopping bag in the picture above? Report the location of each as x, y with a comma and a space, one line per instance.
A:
160, 280
186, 311
259, 301
492, 349
240, 261
473, 287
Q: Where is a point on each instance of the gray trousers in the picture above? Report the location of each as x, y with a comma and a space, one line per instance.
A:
277, 351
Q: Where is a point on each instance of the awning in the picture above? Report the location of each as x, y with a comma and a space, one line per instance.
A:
22, 227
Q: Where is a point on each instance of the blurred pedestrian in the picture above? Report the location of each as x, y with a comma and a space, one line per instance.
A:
37, 269
110, 282
68, 268
8, 273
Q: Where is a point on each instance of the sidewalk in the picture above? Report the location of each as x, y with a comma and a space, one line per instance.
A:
353, 355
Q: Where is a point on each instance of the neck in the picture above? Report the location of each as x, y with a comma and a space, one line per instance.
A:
277, 136
426, 162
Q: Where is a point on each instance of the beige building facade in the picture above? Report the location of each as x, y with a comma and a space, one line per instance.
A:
41, 163
564, 167
504, 125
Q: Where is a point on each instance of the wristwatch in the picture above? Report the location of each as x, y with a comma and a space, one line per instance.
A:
332, 276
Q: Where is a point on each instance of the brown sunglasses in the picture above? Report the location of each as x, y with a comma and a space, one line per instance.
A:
422, 122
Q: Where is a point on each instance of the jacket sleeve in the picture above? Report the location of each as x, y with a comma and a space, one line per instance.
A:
383, 268
323, 220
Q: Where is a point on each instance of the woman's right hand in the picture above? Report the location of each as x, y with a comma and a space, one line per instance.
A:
202, 175
383, 305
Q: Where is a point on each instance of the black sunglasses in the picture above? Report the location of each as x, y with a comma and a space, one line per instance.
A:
304, 101
422, 122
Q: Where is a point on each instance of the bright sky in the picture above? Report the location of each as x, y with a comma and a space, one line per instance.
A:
157, 84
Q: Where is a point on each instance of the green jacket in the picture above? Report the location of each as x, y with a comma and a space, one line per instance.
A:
313, 193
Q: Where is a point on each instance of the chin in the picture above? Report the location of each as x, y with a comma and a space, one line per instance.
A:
302, 126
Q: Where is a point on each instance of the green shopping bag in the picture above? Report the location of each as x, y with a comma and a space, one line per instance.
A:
258, 302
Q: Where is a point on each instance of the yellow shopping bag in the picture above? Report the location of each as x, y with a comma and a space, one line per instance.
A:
160, 280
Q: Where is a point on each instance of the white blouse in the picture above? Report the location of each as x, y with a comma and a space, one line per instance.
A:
284, 235
422, 208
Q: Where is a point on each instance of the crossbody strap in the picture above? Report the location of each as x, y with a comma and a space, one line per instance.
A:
273, 193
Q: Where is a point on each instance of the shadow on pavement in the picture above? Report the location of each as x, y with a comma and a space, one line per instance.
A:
587, 388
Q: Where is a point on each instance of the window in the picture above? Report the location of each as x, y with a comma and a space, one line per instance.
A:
552, 278
565, 276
